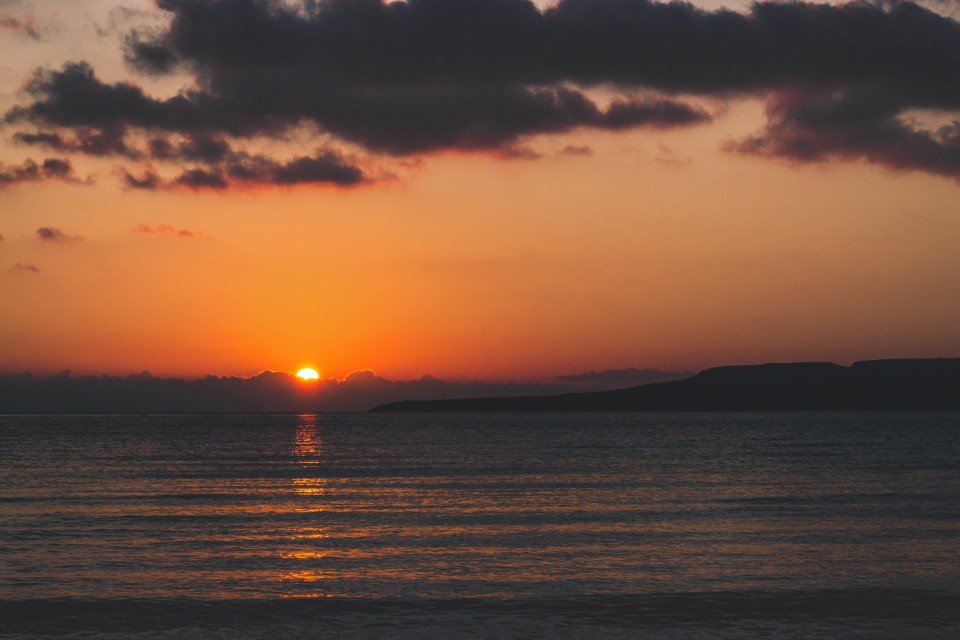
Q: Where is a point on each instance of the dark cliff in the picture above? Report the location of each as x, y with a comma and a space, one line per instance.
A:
929, 384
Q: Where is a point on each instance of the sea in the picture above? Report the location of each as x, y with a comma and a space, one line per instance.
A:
487, 525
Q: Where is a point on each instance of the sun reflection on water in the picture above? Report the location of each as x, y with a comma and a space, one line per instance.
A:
307, 448
307, 454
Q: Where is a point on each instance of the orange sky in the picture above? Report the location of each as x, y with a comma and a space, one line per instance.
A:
659, 248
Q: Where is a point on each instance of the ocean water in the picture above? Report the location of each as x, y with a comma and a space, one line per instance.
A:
646, 525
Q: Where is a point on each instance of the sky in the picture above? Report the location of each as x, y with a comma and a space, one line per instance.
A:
475, 189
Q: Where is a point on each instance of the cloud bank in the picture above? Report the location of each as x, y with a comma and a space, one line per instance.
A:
420, 76
269, 391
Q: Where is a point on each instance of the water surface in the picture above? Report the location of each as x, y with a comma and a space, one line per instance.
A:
479, 525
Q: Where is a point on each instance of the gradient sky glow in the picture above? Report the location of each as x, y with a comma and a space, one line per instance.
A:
345, 206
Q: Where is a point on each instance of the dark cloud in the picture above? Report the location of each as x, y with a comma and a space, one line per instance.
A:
148, 181
148, 57
41, 138
110, 141
818, 126
326, 167
57, 168
424, 75
202, 179
75, 97
194, 147
420, 119
52, 234
394, 119
204, 148
243, 45
25, 267
161, 148
30, 171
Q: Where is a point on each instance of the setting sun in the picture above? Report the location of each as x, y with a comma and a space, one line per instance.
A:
308, 374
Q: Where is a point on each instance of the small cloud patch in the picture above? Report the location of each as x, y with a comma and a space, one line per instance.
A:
576, 150
149, 180
52, 234
26, 26
164, 230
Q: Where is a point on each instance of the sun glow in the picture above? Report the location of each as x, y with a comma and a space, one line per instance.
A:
308, 374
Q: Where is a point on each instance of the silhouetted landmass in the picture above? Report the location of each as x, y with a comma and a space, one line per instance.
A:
623, 377
930, 384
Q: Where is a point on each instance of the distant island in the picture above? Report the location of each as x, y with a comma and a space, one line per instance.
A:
914, 384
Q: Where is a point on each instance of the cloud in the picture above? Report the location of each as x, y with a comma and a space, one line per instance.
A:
164, 230
666, 155
194, 147
149, 180
394, 119
418, 76
324, 167
30, 171
518, 152
26, 26
819, 126
576, 150
678, 47
110, 141
57, 168
25, 267
149, 58
228, 168
422, 119
202, 179
123, 22
202, 148
52, 234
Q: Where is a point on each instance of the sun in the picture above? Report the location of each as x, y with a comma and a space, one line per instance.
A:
308, 374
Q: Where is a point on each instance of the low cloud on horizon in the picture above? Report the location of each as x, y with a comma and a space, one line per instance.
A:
276, 391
